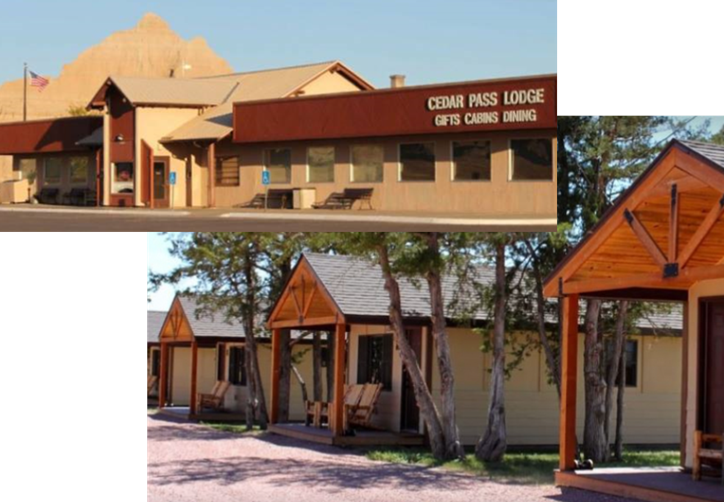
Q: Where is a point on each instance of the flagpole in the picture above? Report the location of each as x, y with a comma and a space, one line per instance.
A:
25, 92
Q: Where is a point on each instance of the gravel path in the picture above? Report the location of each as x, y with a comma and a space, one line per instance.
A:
192, 462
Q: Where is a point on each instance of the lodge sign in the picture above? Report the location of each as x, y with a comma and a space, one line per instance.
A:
521, 104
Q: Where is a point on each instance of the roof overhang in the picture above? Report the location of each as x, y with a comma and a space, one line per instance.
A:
660, 237
524, 103
47, 136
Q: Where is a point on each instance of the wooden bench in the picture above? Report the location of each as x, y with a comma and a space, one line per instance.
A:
80, 196
346, 199
318, 411
48, 196
708, 450
278, 198
152, 381
215, 399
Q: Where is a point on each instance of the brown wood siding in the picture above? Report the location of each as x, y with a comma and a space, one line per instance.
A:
46, 136
388, 112
121, 123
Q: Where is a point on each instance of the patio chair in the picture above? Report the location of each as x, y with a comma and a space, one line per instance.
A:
48, 196
215, 399
361, 413
319, 410
76, 197
152, 381
708, 450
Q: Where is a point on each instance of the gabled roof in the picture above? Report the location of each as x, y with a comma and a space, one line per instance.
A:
209, 325
216, 123
155, 322
663, 234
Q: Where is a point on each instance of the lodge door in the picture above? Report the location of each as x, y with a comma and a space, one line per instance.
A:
712, 366
410, 413
160, 182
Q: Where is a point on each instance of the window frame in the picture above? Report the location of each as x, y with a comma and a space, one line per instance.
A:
70, 170
434, 161
309, 168
45, 171
222, 158
351, 162
265, 164
453, 166
241, 348
114, 166
634, 362
511, 161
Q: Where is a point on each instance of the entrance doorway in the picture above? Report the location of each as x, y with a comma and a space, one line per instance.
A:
160, 182
712, 370
410, 413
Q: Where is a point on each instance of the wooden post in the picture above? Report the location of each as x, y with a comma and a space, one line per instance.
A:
337, 413
162, 381
276, 370
211, 161
194, 371
569, 374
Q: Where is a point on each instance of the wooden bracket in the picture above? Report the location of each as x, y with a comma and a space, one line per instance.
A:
645, 238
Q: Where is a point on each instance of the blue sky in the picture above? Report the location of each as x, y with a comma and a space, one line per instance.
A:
428, 40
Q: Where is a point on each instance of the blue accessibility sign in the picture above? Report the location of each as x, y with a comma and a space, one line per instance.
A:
172, 178
265, 178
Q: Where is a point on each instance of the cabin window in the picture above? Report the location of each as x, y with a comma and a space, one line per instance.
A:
417, 162
27, 168
220, 356
122, 178
320, 164
237, 366
632, 363
155, 362
471, 160
374, 360
227, 171
279, 164
531, 160
367, 163
52, 169
79, 170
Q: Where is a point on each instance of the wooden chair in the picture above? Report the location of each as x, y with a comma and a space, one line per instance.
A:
317, 410
152, 381
361, 413
215, 399
48, 195
706, 454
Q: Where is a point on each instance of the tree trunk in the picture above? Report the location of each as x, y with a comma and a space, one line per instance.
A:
613, 369
250, 392
428, 410
302, 384
493, 444
317, 365
285, 373
551, 361
253, 372
594, 433
618, 448
453, 448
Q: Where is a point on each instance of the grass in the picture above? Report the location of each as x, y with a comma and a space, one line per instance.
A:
518, 467
152, 411
233, 428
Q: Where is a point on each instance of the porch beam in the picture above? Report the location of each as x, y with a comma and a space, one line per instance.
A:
194, 371
211, 162
337, 413
684, 185
276, 373
311, 299
163, 380
312, 321
685, 278
674, 223
645, 238
701, 232
569, 375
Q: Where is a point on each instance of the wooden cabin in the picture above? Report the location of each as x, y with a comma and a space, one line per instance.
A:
663, 240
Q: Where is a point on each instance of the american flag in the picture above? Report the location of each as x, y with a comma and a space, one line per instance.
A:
38, 81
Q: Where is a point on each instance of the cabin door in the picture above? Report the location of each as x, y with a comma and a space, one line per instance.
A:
160, 182
410, 413
712, 369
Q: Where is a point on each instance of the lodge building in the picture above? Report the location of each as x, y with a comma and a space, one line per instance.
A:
486, 148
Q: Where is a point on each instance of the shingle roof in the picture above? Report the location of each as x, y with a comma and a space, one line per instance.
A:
209, 325
155, 322
216, 123
713, 152
174, 91
357, 286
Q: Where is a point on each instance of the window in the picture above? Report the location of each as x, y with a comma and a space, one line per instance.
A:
27, 168
237, 366
227, 171
320, 164
279, 164
374, 360
532, 159
122, 179
52, 170
367, 163
79, 170
155, 362
632, 363
471, 160
417, 162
